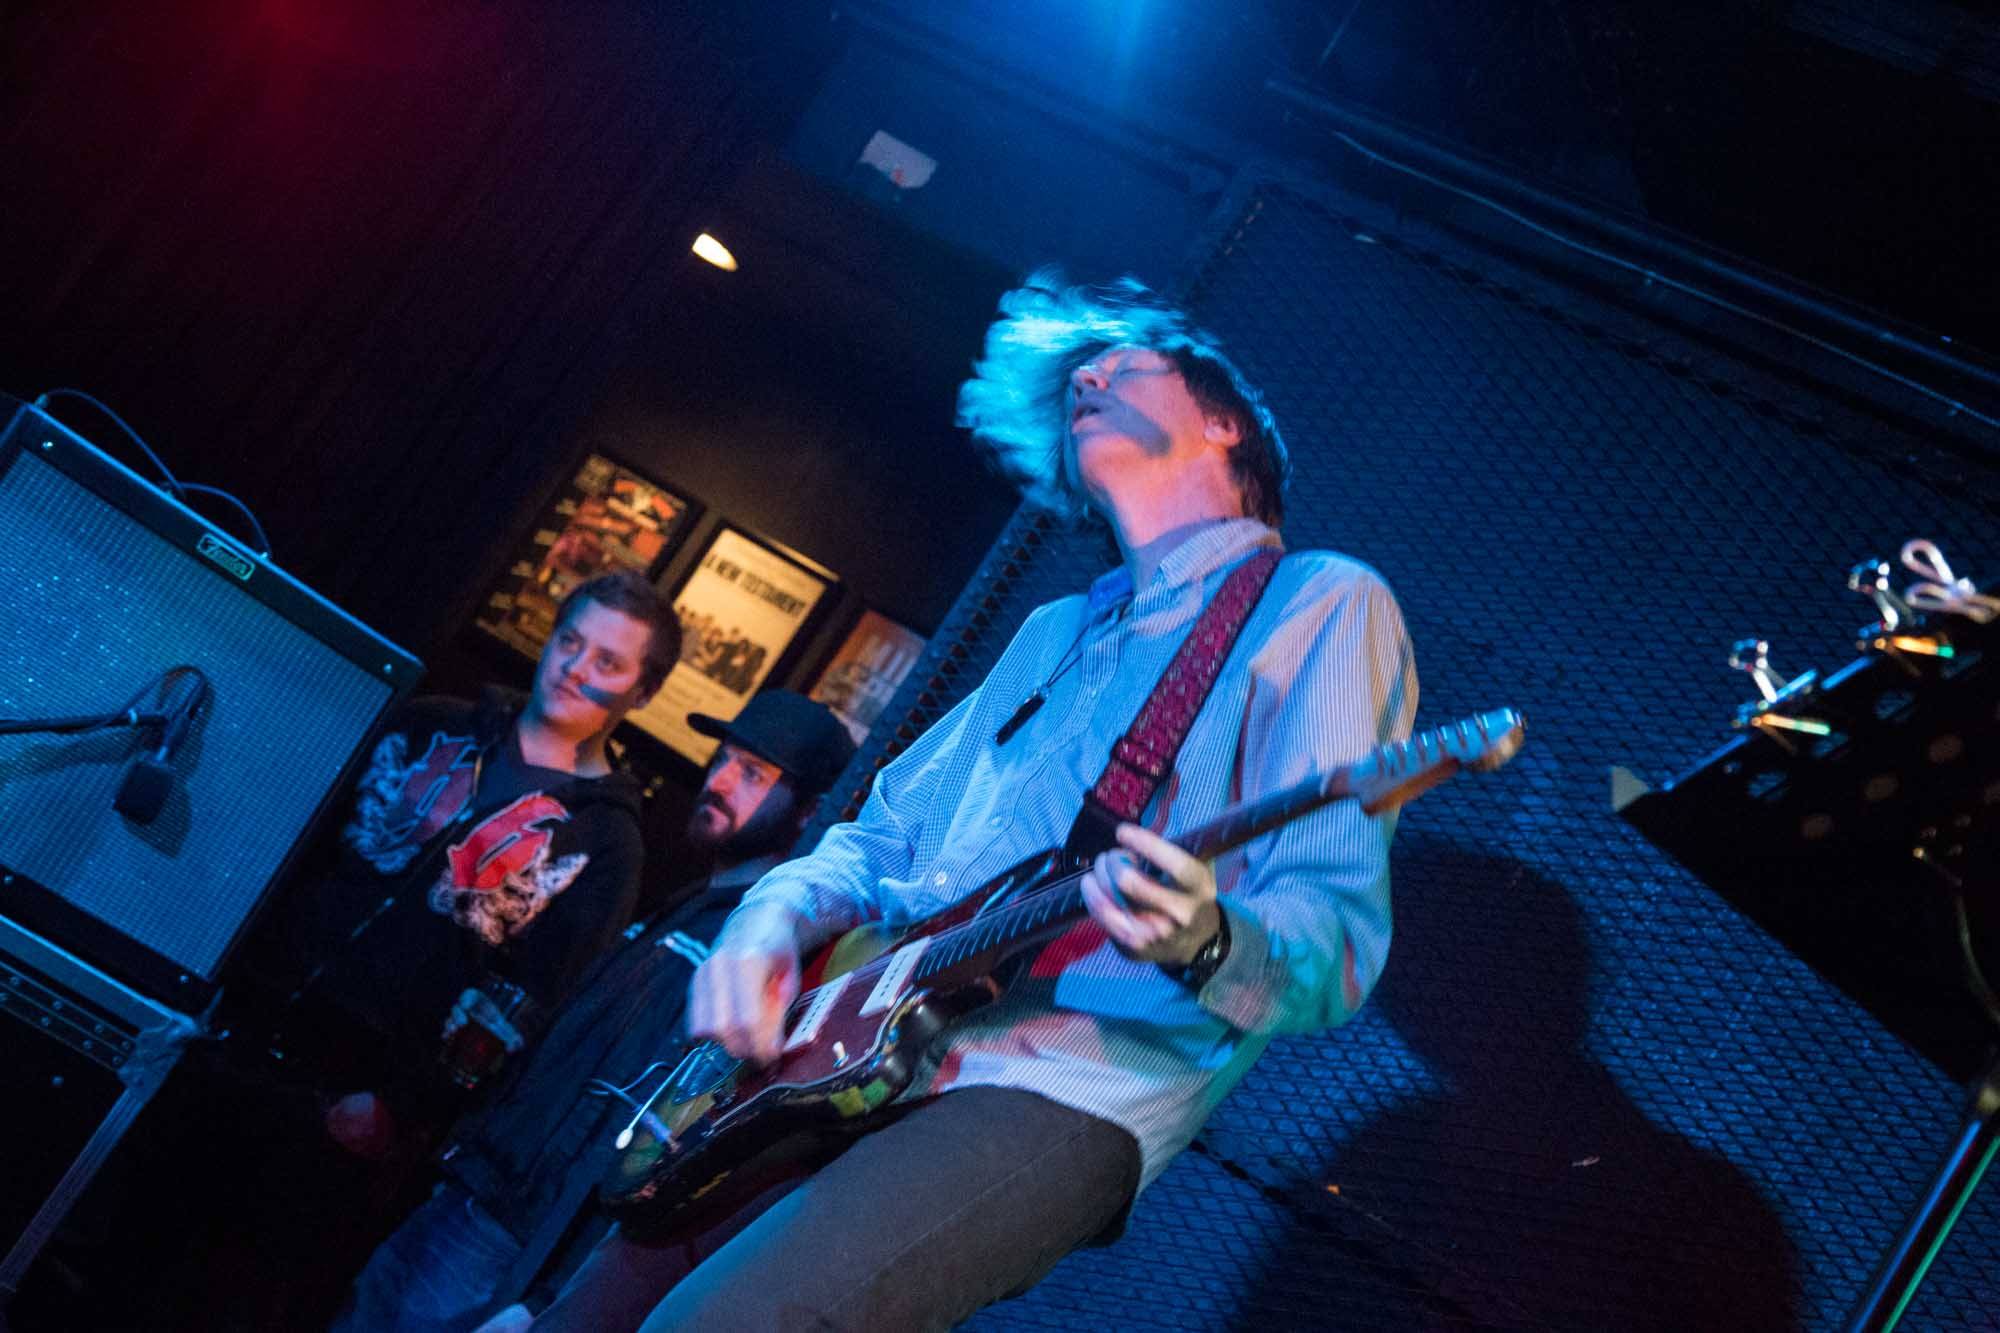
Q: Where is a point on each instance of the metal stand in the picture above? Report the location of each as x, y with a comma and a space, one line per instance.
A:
1902, 1268
96, 1030
1849, 818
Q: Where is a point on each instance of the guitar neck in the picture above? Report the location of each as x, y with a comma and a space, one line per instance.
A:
977, 946
1384, 778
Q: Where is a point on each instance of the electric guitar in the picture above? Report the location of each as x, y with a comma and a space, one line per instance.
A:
718, 1130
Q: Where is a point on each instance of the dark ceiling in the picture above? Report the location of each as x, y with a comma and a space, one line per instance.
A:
1848, 143
1744, 125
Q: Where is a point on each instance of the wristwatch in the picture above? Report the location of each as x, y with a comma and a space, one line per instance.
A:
1198, 969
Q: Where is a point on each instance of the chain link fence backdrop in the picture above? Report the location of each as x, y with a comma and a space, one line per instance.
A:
1588, 1093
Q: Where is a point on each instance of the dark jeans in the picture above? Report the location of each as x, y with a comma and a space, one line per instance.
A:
965, 1200
437, 1274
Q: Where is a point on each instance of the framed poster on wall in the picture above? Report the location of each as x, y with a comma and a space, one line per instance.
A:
607, 517
871, 663
740, 609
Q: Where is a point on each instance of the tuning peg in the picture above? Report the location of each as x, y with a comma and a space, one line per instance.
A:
1754, 656
1870, 578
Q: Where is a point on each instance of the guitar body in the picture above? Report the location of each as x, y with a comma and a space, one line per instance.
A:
716, 1132
720, 1132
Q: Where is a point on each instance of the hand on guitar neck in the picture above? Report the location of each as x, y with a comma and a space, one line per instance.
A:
1163, 917
740, 995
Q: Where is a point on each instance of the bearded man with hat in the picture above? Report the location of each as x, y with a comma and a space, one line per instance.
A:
519, 1170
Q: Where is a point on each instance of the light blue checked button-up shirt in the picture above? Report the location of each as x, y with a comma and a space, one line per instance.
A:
1322, 673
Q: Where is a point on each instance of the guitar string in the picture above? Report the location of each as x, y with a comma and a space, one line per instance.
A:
956, 943
1221, 834
963, 937
1059, 897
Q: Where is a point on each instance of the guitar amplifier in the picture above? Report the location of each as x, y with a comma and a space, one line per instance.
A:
113, 586
83, 1055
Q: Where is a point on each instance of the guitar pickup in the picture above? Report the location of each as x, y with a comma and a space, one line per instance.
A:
814, 1017
894, 975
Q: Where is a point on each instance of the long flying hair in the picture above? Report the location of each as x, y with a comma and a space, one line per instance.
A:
1014, 402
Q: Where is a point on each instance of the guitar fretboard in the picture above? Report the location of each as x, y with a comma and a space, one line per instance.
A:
1388, 774
1047, 910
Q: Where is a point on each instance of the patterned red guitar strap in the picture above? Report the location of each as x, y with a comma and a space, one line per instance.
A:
1143, 758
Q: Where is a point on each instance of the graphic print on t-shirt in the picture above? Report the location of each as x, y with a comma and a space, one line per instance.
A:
501, 877
399, 807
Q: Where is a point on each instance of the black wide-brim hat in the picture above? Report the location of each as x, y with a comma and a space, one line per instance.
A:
802, 737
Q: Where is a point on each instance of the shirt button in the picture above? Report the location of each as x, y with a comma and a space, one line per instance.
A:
940, 878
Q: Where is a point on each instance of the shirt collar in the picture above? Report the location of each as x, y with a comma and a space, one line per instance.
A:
1203, 551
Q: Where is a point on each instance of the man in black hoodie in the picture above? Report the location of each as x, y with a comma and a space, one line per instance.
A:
518, 1169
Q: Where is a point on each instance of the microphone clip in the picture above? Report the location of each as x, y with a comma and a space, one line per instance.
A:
179, 700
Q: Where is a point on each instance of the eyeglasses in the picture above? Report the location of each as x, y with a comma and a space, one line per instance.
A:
1120, 362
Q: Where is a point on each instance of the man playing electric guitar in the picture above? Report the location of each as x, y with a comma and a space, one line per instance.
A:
1033, 1122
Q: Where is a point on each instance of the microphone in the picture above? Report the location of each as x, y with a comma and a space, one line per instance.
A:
148, 782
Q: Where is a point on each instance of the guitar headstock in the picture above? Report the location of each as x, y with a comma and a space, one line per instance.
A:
1396, 773
1485, 741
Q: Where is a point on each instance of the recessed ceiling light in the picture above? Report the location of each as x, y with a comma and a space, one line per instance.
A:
715, 252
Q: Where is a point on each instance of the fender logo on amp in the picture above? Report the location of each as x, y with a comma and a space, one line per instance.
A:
232, 560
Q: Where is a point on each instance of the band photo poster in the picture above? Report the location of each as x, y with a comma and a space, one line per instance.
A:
607, 518
862, 677
740, 609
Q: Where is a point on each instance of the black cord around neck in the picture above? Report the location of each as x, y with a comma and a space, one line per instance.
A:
1033, 703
